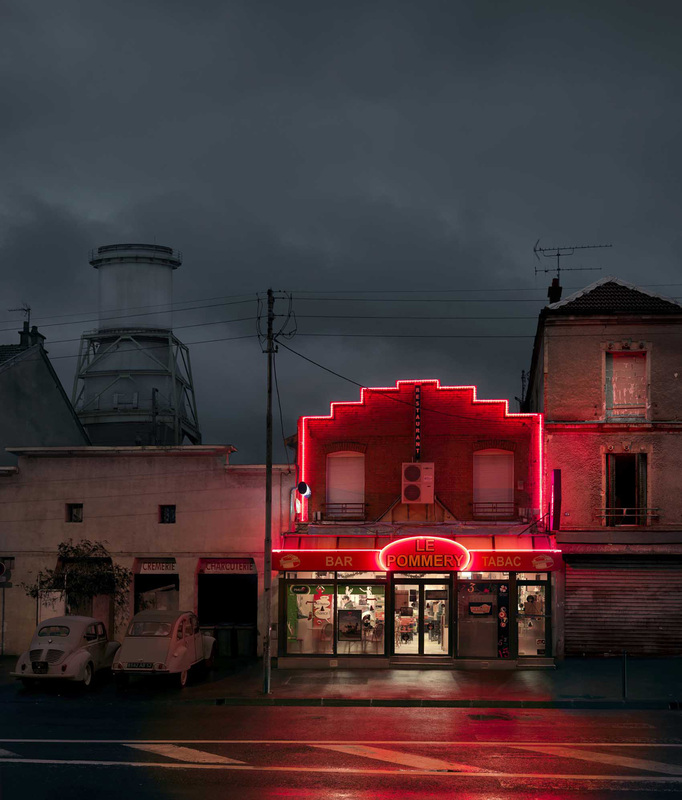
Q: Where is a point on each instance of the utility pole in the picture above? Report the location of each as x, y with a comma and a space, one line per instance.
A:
267, 561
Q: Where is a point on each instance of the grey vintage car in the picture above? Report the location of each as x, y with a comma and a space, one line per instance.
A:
163, 643
68, 648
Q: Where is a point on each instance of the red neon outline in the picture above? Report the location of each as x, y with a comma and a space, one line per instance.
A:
412, 538
303, 431
378, 553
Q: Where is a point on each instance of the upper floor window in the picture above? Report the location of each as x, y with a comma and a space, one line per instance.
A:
626, 385
345, 485
74, 512
626, 485
493, 483
167, 515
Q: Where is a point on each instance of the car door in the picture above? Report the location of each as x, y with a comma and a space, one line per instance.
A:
102, 642
190, 640
94, 644
198, 638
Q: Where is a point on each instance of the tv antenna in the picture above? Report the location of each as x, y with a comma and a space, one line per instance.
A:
26, 308
562, 252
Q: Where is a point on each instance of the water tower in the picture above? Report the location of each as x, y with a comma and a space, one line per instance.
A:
133, 383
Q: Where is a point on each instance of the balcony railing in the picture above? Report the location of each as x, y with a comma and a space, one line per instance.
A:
341, 511
628, 516
494, 509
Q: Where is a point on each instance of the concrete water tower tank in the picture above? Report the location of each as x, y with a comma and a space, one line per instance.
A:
133, 383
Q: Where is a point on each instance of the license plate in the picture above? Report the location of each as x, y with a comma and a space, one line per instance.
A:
39, 667
140, 665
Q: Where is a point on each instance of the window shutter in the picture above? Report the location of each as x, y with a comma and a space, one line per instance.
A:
493, 483
345, 477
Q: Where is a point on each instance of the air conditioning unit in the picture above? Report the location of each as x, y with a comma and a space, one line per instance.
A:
417, 482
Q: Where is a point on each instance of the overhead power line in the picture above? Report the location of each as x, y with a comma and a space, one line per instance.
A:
188, 344
387, 396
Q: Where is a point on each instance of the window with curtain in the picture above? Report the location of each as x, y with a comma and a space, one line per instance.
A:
345, 485
493, 483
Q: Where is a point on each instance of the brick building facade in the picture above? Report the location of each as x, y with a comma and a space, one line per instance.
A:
607, 374
418, 535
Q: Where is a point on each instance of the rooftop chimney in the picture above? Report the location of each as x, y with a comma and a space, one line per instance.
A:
24, 337
554, 291
35, 337
29, 338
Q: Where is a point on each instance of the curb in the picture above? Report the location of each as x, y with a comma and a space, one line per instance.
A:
659, 705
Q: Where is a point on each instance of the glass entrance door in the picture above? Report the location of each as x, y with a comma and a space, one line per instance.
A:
421, 619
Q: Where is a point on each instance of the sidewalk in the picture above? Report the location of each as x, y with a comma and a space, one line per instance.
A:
575, 683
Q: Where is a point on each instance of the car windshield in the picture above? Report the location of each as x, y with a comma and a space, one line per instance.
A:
54, 630
149, 628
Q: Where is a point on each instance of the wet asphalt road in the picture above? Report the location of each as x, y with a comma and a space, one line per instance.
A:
157, 745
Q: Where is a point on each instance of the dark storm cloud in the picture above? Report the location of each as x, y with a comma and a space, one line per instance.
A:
337, 146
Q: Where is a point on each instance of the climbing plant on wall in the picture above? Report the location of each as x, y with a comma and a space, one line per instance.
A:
84, 570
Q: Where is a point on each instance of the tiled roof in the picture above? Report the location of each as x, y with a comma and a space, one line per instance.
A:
613, 296
8, 351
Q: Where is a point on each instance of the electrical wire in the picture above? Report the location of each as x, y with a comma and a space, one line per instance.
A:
187, 344
423, 408
279, 405
144, 314
166, 306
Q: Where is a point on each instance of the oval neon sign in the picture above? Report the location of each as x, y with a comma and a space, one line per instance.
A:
425, 554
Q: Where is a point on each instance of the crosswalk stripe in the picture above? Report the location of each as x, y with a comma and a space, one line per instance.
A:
396, 757
184, 754
403, 774
605, 758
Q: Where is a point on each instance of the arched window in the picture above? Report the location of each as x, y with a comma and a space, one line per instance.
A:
345, 485
493, 483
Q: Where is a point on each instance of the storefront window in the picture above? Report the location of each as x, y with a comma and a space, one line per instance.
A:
311, 576
483, 618
361, 576
531, 576
484, 576
531, 620
360, 612
310, 615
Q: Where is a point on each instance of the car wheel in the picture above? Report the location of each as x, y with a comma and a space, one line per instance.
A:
182, 678
87, 676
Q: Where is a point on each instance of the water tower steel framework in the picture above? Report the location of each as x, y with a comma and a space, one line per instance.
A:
133, 382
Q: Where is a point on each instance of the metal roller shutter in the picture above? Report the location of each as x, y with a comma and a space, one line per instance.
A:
623, 603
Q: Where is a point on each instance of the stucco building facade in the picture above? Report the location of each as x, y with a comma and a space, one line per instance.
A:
188, 524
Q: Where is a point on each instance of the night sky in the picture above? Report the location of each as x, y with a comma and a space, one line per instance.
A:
375, 159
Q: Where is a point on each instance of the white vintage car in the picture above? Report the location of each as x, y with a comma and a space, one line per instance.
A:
163, 643
66, 648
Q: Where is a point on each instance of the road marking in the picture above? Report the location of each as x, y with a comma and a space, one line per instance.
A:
605, 758
552, 776
185, 754
394, 757
6, 753
407, 742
